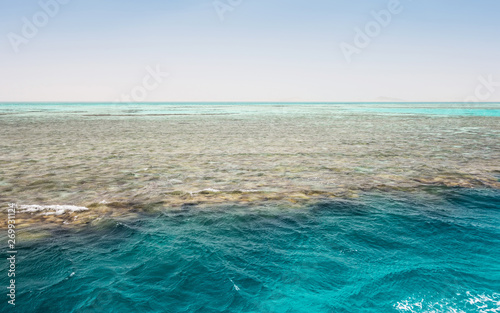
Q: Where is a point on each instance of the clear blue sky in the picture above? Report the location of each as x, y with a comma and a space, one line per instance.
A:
263, 50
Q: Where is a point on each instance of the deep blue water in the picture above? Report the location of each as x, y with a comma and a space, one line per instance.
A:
433, 251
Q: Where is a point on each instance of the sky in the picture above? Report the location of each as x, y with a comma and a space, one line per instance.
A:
249, 50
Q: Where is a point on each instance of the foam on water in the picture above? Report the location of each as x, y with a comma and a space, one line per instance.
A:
462, 303
52, 209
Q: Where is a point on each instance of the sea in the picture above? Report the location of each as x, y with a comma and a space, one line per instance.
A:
201, 108
433, 249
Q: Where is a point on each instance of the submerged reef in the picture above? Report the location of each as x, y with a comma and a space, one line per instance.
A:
115, 165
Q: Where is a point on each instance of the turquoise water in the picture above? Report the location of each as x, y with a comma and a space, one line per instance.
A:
134, 109
432, 111
432, 251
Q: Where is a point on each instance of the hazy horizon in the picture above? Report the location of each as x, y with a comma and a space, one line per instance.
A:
244, 102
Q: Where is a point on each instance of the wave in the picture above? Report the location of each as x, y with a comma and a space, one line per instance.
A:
481, 303
51, 209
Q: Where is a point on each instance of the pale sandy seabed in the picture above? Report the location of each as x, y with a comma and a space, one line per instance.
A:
121, 166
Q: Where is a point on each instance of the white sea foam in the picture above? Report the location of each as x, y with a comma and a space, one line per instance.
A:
217, 190
51, 209
234, 285
210, 190
203, 190
480, 303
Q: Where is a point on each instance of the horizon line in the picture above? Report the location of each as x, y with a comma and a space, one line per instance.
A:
249, 102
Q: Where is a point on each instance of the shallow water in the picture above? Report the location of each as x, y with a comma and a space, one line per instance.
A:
244, 108
150, 155
431, 251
